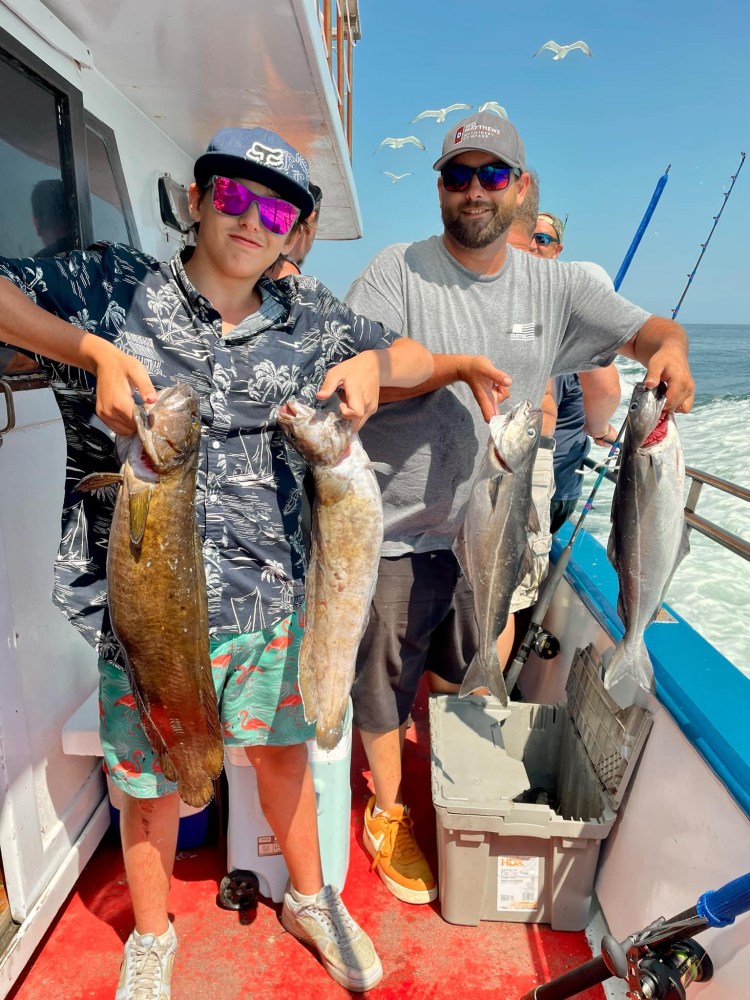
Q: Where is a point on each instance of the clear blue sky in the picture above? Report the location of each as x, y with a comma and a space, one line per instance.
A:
669, 83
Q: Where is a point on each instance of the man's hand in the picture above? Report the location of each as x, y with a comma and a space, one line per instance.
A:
670, 365
358, 381
118, 375
489, 385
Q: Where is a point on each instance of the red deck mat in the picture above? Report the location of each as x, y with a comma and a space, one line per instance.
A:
248, 956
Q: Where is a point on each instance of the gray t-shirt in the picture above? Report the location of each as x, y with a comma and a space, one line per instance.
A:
533, 319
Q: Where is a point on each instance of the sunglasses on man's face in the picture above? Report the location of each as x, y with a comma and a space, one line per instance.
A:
491, 176
543, 239
232, 198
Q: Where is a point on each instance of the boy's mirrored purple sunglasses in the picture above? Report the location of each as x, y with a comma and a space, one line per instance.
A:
232, 198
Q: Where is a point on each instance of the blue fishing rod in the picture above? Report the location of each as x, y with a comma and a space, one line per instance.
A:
660, 185
708, 239
660, 961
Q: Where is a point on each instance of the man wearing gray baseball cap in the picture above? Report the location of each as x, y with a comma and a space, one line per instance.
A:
483, 308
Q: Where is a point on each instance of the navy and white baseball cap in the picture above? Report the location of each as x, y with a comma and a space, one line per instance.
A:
258, 154
484, 132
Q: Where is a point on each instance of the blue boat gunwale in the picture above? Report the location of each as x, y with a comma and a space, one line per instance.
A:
704, 692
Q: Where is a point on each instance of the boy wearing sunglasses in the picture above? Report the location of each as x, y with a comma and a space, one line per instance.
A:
112, 320
480, 306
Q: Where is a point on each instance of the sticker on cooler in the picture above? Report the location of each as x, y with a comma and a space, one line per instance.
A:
268, 846
517, 883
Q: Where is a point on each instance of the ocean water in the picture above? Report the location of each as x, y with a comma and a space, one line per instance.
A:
711, 588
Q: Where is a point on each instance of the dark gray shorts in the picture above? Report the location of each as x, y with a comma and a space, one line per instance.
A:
422, 618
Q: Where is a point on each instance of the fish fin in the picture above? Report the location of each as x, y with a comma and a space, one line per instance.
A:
493, 488
382, 467
98, 481
196, 791
214, 754
461, 554
526, 565
477, 676
629, 678
167, 765
139, 504
534, 525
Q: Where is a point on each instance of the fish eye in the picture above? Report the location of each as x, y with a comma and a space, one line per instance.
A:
531, 432
633, 407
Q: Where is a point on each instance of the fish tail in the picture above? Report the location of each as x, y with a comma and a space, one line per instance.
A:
480, 676
629, 674
168, 768
328, 734
197, 790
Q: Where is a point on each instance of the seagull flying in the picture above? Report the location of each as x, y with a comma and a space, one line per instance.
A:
398, 143
494, 106
440, 114
396, 177
562, 50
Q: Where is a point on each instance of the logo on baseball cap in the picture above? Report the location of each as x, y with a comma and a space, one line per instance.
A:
258, 154
486, 133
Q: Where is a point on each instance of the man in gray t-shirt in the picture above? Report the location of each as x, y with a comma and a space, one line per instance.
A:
505, 311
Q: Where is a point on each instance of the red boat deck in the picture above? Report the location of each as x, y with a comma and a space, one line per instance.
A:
229, 955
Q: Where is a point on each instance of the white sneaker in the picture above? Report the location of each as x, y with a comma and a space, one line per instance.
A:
345, 950
146, 970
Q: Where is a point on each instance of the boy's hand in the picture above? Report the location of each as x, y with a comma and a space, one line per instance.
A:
358, 381
118, 375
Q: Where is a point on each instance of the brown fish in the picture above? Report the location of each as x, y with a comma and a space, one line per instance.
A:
157, 591
347, 534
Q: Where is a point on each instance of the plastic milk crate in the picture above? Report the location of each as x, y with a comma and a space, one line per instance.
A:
251, 845
532, 860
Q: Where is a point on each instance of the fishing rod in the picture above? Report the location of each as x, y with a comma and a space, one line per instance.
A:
660, 961
708, 240
660, 185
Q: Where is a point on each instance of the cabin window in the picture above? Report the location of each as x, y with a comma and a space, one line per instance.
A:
36, 216
111, 214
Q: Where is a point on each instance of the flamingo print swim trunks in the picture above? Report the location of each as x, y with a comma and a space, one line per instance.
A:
255, 677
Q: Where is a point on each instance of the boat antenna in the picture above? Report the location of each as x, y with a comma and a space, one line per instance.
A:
708, 240
660, 185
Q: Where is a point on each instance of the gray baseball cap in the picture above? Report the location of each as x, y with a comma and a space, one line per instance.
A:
485, 132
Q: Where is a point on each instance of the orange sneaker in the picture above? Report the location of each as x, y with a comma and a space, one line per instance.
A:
396, 855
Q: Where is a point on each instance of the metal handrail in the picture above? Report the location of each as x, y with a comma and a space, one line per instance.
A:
727, 539
340, 27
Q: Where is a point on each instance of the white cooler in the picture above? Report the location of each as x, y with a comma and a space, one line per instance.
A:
251, 845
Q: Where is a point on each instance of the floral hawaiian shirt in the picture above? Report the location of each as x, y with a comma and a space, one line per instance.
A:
248, 492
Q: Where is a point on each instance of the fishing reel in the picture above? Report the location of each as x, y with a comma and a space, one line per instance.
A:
660, 973
545, 645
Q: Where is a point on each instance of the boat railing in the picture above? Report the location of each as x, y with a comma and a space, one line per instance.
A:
340, 25
727, 539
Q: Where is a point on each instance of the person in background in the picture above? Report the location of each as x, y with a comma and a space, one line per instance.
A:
547, 236
50, 218
96, 320
291, 261
466, 290
585, 400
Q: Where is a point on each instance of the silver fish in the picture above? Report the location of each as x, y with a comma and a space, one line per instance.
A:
347, 534
649, 536
492, 546
156, 589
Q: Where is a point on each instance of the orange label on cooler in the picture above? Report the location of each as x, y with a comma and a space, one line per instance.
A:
517, 883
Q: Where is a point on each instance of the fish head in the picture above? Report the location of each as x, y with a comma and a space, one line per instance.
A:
321, 437
515, 436
647, 418
169, 429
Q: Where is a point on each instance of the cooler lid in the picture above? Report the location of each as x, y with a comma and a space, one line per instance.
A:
613, 736
476, 777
